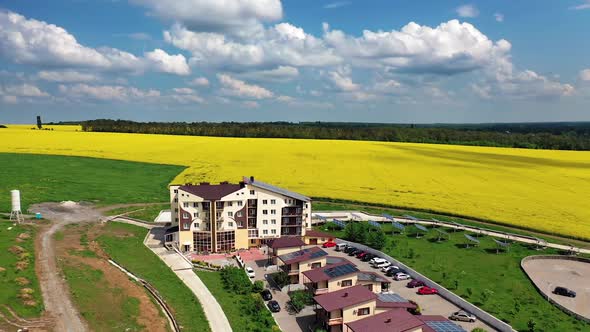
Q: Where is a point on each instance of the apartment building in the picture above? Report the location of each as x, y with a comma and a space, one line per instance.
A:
225, 216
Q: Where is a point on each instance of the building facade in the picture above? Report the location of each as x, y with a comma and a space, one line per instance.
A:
224, 217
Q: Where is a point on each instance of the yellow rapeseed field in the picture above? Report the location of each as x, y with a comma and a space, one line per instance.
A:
540, 189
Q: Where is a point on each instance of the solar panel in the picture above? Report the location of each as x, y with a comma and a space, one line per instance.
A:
398, 225
321, 217
356, 216
318, 254
501, 244
338, 223
442, 232
422, 228
407, 216
388, 216
391, 297
340, 270
471, 238
444, 326
374, 223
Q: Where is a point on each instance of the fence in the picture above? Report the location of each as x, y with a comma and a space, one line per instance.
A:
569, 258
445, 293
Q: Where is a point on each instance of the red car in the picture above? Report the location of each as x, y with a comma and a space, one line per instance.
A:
329, 244
427, 290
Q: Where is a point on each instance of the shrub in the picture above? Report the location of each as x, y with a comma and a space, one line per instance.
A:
281, 279
299, 299
236, 280
258, 286
479, 329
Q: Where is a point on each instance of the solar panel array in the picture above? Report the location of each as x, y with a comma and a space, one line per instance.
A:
340, 270
407, 216
398, 225
338, 223
390, 297
321, 217
442, 232
356, 216
318, 253
370, 276
471, 238
502, 244
422, 228
388, 216
444, 326
374, 223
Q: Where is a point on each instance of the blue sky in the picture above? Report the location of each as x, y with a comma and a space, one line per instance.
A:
295, 60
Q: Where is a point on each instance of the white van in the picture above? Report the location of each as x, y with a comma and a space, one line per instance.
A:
340, 246
376, 261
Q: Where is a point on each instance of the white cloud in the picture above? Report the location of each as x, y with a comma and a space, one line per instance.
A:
337, 4
29, 41
341, 80
585, 75
278, 74
387, 87
526, 84
66, 76
24, 90
285, 99
238, 88
199, 81
184, 91
499, 17
584, 5
467, 11
107, 92
173, 64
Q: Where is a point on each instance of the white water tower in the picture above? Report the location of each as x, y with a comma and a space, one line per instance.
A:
15, 212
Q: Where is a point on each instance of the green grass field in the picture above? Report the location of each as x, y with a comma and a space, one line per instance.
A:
146, 213
231, 304
45, 178
128, 250
17, 260
478, 270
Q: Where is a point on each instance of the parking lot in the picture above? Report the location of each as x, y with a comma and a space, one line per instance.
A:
430, 304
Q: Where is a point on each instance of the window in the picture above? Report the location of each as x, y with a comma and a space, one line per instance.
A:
273, 221
265, 222
264, 201
273, 231
176, 210
176, 191
185, 215
219, 205
316, 265
229, 203
186, 226
346, 283
230, 214
185, 204
273, 211
218, 214
252, 192
240, 224
196, 214
265, 232
195, 205
239, 203
230, 224
273, 201
196, 225
175, 200
239, 214
364, 311
264, 211
176, 219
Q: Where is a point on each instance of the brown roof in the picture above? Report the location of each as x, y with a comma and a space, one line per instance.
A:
314, 233
345, 298
326, 272
395, 320
211, 192
371, 276
287, 242
302, 255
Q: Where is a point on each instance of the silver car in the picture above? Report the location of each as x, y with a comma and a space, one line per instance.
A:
463, 316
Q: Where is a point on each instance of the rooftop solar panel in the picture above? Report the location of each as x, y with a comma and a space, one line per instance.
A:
390, 297
374, 223
398, 225
444, 326
388, 216
422, 228
318, 254
340, 270
471, 238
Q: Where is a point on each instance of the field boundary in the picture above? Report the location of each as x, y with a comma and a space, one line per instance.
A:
443, 292
546, 296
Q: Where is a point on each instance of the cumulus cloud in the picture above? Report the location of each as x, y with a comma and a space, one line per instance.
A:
584, 5
186, 96
337, 4
467, 11
499, 17
106, 92
525, 84
29, 41
278, 74
237, 88
66, 76
341, 80
24, 90
199, 81
585, 75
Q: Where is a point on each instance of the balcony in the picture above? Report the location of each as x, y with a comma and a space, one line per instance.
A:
320, 291
288, 270
335, 321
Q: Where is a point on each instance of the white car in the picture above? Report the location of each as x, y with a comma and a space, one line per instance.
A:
382, 265
387, 268
376, 261
250, 272
401, 276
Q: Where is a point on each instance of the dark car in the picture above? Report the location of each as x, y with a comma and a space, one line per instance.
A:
415, 283
349, 249
266, 295
564, 292
361, 254
353, 252
367, 257
393, 271
274, 306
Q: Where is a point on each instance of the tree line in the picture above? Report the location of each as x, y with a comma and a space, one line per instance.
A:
556, 136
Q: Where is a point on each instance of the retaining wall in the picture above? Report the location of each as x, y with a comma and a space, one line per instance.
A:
445, 293
567, 258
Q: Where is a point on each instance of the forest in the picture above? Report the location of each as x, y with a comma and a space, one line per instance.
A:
555, 136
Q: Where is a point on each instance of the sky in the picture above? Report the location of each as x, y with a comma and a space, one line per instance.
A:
395, 61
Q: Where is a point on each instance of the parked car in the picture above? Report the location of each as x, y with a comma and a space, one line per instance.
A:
367, 257
415, 283
329, 244
354, 252
463, 316
341, 246
390, 267
274, 306
377, 261
564, 292
425, 290
266, 295
361, 254
401, 276
382, 265
349, 249
250, 272
394, 271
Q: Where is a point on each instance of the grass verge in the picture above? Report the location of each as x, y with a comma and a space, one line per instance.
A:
146, 213
124, 243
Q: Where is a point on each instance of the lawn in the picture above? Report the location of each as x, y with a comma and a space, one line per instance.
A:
534, 189
146, 213
124, 243
231, 303
495, 282
19, 286
44, 178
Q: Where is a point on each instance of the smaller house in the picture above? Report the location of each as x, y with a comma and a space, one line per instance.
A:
297, 262
340, 275
373, 281
316, 237
336, 309
400, 320
284, 245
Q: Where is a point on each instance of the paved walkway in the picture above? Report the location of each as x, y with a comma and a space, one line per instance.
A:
184, 270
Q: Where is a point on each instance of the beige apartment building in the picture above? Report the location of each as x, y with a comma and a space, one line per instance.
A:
224, 217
